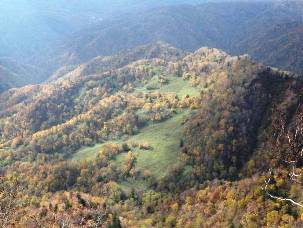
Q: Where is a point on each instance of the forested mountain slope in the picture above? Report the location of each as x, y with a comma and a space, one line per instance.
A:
154, 137
105, 63
13, 74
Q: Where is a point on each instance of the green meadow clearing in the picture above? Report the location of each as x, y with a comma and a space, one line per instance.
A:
164, 139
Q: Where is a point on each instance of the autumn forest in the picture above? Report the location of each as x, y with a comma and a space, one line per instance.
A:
138, 114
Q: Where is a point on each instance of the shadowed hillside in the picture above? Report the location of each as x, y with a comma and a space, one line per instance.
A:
280, 46
13, 74
233, 27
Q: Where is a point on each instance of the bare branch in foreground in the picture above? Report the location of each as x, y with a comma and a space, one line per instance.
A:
277, 197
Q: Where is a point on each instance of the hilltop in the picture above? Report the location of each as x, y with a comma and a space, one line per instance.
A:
153, 136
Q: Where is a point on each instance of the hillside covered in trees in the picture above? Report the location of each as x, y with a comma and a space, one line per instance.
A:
154, 137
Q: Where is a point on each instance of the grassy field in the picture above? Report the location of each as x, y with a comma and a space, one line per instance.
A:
164, 138
180, 87
88, 153
175, 85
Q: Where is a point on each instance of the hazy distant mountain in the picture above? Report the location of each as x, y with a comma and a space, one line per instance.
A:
13, 74
281, 46
234, 27
31, 28
28, 25
47, 36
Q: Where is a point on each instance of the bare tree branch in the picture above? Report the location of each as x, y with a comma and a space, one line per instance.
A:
278, 197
